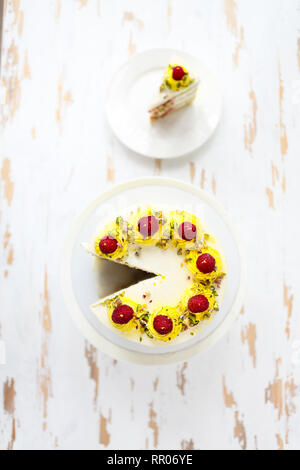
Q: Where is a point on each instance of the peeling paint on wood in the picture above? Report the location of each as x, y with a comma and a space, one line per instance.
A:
8, 250
58, 9
249, 335
9, 394
283, 184
202, 182
64, 100
228, 396
275, 174
6, 180
44, 372
239, 431
281, 393
82, 3
230, 8
26, 67
131, 45
280, 442
129, 16
282, 126
230, 12
13, 435
91, 354
181, 378
187, 444
20, 24
270, 196
213, 185
250, 128
110, 170
158, 166
288, 303
152, 423
239, 45
104, 438
192, 172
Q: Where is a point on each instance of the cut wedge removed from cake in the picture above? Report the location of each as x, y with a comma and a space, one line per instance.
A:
187, 268
178, 89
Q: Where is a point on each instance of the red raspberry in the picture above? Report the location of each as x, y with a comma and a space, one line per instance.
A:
178, 73
198, 304
108, 245
122, 314
148, 226
206, 263
187, 231
163, 324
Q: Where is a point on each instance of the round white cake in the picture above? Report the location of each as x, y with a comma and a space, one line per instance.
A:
185, 268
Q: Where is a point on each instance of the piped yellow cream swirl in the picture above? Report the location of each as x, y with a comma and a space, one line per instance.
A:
170, 82
170, 312
118, 230
206, 278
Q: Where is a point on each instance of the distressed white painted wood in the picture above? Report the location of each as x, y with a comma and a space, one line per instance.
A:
57, 154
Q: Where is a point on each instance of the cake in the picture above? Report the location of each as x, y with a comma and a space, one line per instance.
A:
187, 269
178, 89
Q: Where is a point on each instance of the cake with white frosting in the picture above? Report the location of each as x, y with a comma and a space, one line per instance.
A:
187, 268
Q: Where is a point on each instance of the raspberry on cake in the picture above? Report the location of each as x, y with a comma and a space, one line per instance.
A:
164, 324
108, 245
198, 304
148, 226
112, 242
122, 314
199, 301
187, 231
178, 89
205, 264
186, 269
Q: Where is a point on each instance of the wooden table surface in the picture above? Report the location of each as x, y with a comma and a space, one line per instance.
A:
57, 154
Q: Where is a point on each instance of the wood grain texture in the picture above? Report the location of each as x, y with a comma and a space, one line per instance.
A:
57, 154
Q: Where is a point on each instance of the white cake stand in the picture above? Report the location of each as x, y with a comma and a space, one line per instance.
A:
132, 91
78, 280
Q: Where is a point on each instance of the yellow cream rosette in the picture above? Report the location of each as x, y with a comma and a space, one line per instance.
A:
161, 235
170, 82
133, 323
177, 218
170, 312
198, 289
191, 262
117, 230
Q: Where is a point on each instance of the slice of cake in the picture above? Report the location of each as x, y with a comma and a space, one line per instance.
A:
178, 89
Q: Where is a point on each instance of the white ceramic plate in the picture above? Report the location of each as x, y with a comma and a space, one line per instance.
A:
79, 283
132, 92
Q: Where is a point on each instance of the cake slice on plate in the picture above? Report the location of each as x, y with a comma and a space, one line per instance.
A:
178, 89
